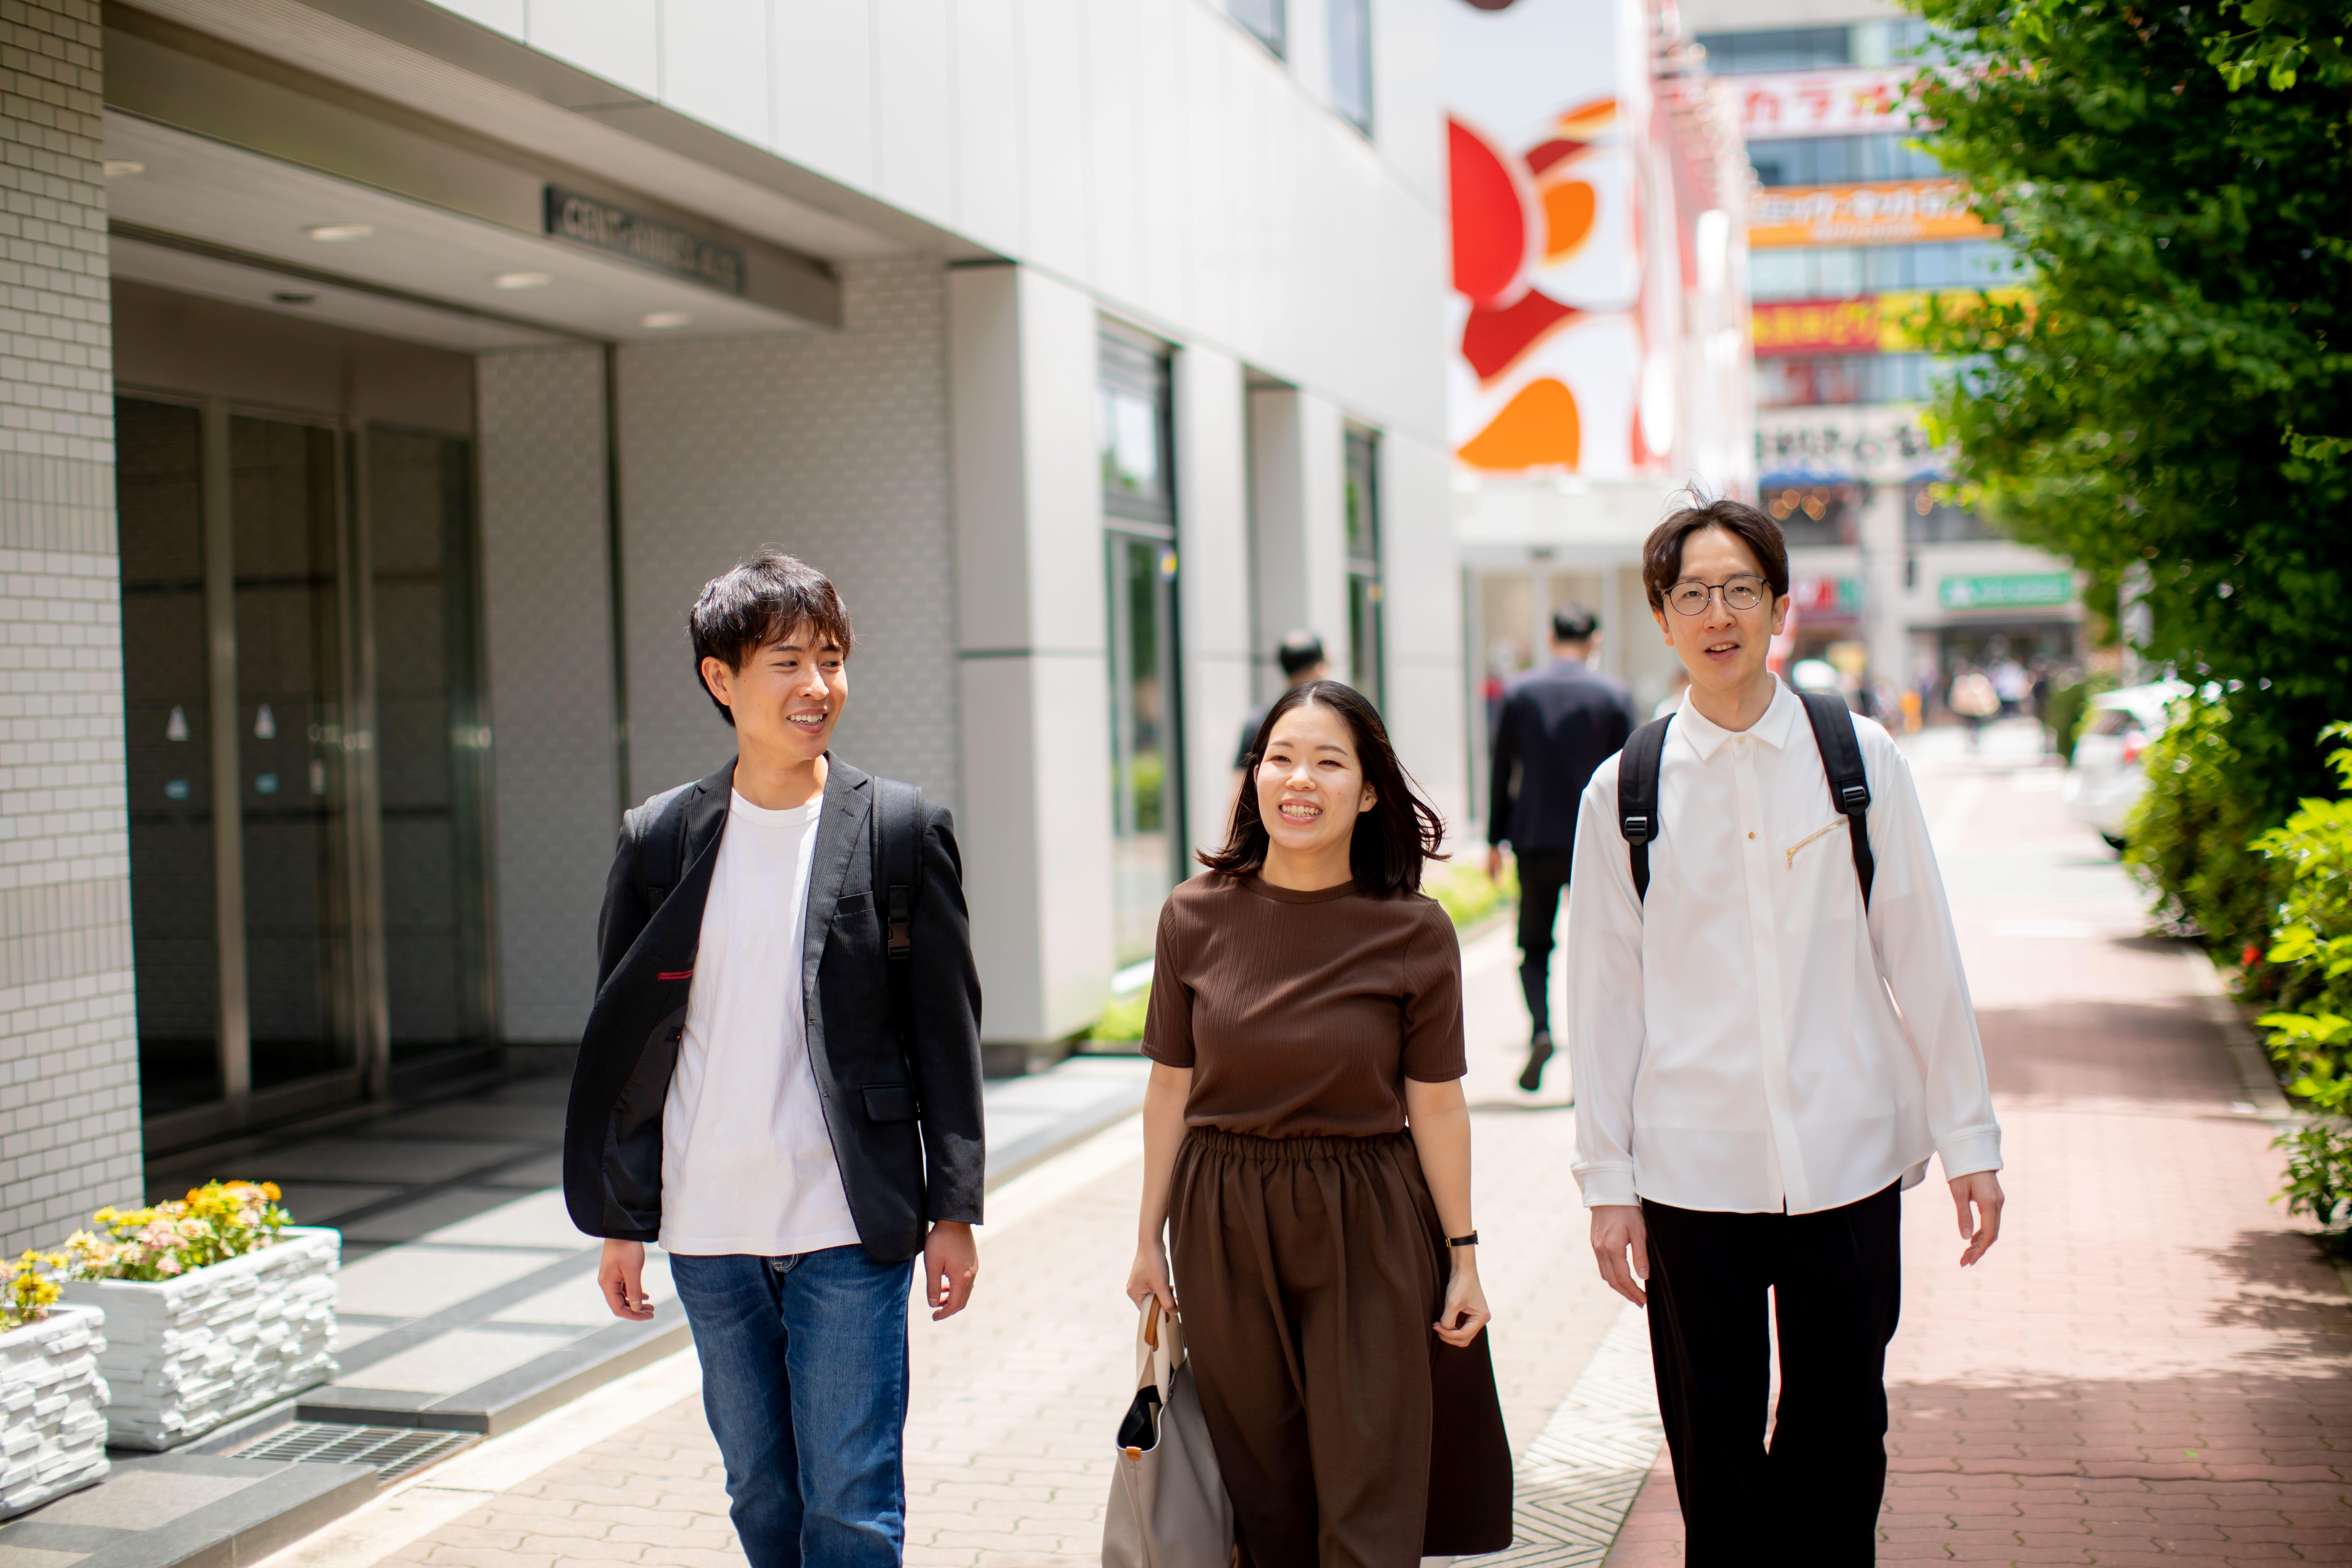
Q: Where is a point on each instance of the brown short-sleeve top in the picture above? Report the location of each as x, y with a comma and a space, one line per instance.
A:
1301, 1014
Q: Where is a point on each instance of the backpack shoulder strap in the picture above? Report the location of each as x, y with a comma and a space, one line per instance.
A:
1833, 723
899, 862
661, 851
1637, 796
898, 878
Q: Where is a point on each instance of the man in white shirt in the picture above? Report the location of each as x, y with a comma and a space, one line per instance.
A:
1763, 1059
780, 1079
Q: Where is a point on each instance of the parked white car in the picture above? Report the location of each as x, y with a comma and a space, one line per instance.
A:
2106, 778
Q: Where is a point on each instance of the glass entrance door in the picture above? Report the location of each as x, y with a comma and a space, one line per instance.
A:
305, 756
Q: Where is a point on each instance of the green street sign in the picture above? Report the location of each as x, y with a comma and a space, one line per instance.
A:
2014, 591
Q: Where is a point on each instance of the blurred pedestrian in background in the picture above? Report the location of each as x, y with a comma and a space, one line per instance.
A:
1306, 1147
1557, 724
1301, 654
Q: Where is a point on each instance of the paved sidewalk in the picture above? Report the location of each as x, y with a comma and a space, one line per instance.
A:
2153, 1365
1009, 1450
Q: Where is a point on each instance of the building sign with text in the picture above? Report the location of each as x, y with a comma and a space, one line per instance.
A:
1820, 103
663, 247
1798, 445
1864, 215
2011, 591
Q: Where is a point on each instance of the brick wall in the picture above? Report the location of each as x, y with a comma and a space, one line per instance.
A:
834, 446
69, 1040
546, 581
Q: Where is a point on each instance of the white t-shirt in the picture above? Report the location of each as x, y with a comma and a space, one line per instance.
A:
746, 1163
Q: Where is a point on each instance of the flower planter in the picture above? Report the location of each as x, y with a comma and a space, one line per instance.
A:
52, 1408
185, 1355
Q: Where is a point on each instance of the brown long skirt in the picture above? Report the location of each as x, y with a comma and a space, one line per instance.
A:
1309, 1271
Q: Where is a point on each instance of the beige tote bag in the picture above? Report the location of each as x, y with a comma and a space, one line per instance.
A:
1168, 1503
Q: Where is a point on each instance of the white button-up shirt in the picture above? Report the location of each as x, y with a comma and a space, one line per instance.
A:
1749, 1040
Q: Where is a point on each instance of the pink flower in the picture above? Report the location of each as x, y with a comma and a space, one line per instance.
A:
168, 1267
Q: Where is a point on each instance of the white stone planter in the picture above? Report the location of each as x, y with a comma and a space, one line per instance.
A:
52, 1408
185, 1355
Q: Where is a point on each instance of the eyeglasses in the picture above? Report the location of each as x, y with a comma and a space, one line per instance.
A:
1690, 595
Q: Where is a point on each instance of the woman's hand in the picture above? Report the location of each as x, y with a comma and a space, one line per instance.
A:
1149, 1278
1465, 1315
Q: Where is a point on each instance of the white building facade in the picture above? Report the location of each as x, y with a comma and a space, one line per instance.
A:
386, 375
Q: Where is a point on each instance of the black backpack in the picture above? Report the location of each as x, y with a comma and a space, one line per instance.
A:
1833, 721
897, 825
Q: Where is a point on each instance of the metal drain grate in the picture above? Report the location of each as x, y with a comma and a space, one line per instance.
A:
394, 1451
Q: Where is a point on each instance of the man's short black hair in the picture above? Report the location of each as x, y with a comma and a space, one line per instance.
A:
1662, 553
742, 610
1573, 622
1299, 653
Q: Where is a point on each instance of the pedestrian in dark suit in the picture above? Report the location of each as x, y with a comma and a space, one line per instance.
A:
1558, 724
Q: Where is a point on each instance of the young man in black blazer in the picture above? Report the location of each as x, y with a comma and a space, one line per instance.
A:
1557, 724
758, 1091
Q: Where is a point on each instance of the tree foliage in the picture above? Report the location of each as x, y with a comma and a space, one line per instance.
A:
2175, 388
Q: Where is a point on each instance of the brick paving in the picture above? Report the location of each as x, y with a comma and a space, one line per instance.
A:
2151, 1367
1008, 1442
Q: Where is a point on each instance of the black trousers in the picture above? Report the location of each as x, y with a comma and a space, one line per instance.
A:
1836, 1278
1543, 876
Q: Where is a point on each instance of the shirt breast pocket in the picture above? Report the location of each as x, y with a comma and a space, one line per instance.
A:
1815, 836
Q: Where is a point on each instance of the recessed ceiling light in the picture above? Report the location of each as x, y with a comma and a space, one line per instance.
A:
117, 167
294, 297
335, 233
522, 280
659, 319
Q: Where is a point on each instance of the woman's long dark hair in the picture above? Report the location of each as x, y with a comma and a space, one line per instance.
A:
1392, 840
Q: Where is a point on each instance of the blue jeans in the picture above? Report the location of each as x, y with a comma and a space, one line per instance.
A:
804, 1381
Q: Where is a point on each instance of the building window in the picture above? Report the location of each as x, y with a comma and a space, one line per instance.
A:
1351, 60
1812, 380
1264, 18
1929, 519
1780, 49
1849, 273
1367, 648
1148, 849
1813, 511
1841, 160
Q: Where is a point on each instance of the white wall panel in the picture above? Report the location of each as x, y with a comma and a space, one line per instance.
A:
1423, 620
716, 64
985, 148
1029, 539
506, 16
619, 40
1214, 556
1169, 221
914, 108
1057, 197
823, 96
1114, 154
1408, 115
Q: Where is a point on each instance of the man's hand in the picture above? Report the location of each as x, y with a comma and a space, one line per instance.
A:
1494, 865
950, 1264
621, 1276
1983, 1190
1618, 1229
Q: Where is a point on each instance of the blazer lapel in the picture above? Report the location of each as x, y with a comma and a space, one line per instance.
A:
840, 832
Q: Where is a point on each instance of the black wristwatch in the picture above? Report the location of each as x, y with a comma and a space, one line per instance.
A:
1469, 1240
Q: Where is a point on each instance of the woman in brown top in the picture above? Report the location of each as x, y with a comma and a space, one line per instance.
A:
1307, 1144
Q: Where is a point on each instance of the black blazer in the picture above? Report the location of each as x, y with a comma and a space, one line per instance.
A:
1558, 724
905, 1128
